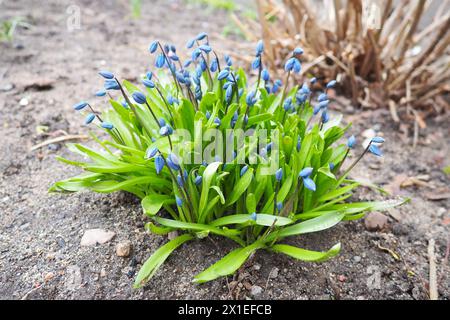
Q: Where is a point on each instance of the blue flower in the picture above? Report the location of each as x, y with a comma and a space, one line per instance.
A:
351, 142
300, 99
208, 115
378, 140
265, 75
313, 80
244, 170
253, 216
149, 75
201, 36
165, 131
331, 84
187, 63
279, 174
259, 48
180, 77
229, 93
159, 163
323, 104
297, 66
325, 116
162, 122
100, 93
107, 125
198, 180
153, 46
178, 201
309, 184
375, 150
190, 43
299, 143
203, 65
160, 60
279, 206
174, 57
250, 99
80, 105
111, 84
305, 89
223, 74
316, 109
139, 97
173, 162
89, 118
205, 48
151, 152
217, 121
106, 74
287, 104
269, 146
305, 173
148, 83
322, 97
289, 66
214, 65
180, 181
195, 54
298, 51
256, 63
228, 60
331, 165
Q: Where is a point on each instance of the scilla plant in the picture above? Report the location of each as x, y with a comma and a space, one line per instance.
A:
292, 180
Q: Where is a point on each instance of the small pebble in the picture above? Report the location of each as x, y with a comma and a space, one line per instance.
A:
256, 291
375, 221
123, 249
23, 102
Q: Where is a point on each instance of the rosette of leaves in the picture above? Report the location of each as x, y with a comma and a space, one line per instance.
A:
231, 198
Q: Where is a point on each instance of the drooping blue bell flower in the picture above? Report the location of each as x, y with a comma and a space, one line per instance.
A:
153, 46
151, 152
178, 201
306, 172
111, 84
351, 142
80, 105
159, 163
265, 75
375, 150
173, 162
331, 84
378, 140
106, 74
259, 48
198, 180
298, 51
244, 170
279, 174
160, 61
201, 36
101, 93
107, 125
89, 118
148, 83
223, 74
256, 63
139, 97
228, 60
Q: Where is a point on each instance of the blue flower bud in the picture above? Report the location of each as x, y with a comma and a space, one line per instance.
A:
180, 77
299, 144
316, 109
250, 99
203, 65
300, 99
309, 184
217, 121
256, 63
265, 75
279, 206
198, 180
178, 201
205, 48
214, 65
269, 146
306, 172
190, 43
174, 57
160, 61
289, 66
331, 84
279, 174
80, 105
151, 152
253, 216
322, 97
223, 74
378, 140
323, 104
187, 63
148, 83
259, 48
100, 93
111, 84
198, 93
166, 48
106, 74
173, 48
162, 122
298, 51
313, 80
235, 116
351, 142
325, 116
180, 181
228, 60
195, 54
287, 104
107, 125
229, 93
297, 66
201, 36
375, 150
89, 118
149, 75
244, 170
164, 131
305, 89
153, 46
139, 97
331, 165
159, 163
173, 162
208, 115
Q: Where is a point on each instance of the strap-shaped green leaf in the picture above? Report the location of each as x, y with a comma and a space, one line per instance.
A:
261, 219
154, 202
228, 264
157, 259
307, 255
208, 175
337, 193
240, 187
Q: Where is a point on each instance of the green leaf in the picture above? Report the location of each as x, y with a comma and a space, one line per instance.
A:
240, 187
208, 175
153, 203
157, 259
228, 264
338, 192
314, 225
307, 255
262, 219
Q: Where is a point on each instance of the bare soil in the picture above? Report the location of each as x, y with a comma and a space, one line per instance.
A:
47, 68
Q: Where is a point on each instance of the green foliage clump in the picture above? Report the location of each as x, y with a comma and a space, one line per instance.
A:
290, 181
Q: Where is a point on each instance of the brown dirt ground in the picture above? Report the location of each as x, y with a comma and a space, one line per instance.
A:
50, 68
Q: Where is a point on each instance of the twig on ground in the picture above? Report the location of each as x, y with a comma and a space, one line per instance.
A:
59, 139
433, 278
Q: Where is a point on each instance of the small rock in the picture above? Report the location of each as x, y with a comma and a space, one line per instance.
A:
256, 291
23, 102
274, 273
7, 87
49, 276
103, 273
342, 278
123, 249
54, 146
257, 267
92, 237
375, 221
357, 259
